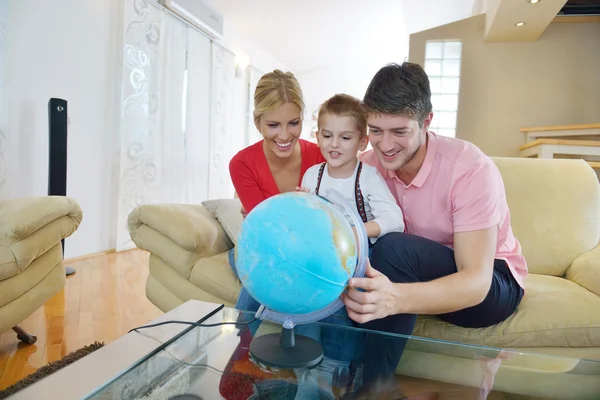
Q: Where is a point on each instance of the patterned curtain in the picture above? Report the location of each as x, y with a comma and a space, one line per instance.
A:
221, 138
139, 159
177, 123
252, 134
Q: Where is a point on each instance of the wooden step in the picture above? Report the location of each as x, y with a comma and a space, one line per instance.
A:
561, 142
594, 164
560, 128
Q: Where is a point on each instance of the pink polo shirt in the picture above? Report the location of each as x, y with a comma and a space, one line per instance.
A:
458, 188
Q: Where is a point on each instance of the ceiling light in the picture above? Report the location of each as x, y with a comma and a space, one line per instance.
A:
520, 23
534, 1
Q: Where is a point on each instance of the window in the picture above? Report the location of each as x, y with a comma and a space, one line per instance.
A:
442, 64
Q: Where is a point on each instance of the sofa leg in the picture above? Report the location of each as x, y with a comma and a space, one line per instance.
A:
24, 336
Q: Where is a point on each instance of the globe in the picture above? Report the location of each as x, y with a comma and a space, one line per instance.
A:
296, 252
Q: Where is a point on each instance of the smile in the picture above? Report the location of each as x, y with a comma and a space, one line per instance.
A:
391, 153
284, 146
335, 154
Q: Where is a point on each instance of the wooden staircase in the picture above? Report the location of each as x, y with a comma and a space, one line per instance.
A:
573, 141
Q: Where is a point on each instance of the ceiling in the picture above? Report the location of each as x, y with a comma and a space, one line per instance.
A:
502, 17
307, 34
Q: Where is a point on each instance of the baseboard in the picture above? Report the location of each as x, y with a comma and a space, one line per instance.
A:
92, 255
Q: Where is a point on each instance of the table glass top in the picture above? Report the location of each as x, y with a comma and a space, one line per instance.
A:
228, 360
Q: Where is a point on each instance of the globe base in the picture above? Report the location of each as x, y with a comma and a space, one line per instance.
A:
286, 351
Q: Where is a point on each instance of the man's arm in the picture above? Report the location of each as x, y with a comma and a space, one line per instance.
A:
474, 253
477, 198
387, 214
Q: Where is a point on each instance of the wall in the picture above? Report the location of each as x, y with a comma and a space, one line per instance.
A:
68, 50
71, 50
508, 86
352, 74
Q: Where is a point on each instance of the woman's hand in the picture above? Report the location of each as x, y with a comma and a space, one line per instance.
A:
379, 299
302, 189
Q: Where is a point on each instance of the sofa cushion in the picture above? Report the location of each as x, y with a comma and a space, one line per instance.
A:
554, 210
228, 213
214, 275
555, 312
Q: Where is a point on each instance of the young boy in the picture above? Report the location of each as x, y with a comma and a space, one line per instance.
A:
342, 133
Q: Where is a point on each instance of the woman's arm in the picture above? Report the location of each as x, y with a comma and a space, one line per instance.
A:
245, 183
387, 213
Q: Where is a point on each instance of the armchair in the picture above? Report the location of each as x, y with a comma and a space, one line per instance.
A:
31, 258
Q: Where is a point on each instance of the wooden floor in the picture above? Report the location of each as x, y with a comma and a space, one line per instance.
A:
102, 301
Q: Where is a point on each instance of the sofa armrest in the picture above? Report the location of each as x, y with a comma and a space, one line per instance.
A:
20, 218
30, 227
585, 271
179, 234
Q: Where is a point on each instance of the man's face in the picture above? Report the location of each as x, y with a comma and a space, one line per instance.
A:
396, 138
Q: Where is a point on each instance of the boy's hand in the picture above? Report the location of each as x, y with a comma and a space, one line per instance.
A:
302, 189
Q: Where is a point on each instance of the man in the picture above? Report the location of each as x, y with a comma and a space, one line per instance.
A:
458, 259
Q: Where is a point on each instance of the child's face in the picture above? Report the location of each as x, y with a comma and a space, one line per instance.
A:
339, 140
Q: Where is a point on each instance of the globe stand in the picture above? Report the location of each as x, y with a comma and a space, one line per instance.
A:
285, 350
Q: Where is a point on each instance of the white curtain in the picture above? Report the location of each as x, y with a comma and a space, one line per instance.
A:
139, 166
157, 163
252, 134
3, 108
177, 114
221, 138
198, 115
172, 186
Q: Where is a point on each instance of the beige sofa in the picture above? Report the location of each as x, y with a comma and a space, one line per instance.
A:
555, 207
31, 258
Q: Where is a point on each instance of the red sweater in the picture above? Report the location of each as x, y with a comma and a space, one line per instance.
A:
251, 175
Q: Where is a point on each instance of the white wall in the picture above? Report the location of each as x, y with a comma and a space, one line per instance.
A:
68, 50
71, 50
381, 41
351, 76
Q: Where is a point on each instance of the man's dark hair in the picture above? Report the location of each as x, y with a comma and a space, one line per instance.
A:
400, 90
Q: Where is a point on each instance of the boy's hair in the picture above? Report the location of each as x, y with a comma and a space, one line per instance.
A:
343, 105
400, 90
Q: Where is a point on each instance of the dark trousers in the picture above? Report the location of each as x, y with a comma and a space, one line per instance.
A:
406, 258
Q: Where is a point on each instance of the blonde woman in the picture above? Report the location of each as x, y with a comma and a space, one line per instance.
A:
277, 163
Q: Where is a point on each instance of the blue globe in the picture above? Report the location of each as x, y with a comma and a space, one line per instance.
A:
295, 253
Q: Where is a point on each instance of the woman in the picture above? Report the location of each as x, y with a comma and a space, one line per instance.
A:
277, 163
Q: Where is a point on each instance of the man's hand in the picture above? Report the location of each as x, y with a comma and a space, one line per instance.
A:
377, 301
302, 189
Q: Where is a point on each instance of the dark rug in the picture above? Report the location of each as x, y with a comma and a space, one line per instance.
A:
49, 369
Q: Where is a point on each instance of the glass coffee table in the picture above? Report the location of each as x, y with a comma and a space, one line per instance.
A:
213, 362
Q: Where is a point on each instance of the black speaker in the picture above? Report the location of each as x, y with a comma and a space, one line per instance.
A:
57, 156
57, 153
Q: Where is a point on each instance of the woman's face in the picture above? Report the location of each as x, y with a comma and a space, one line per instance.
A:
281, 129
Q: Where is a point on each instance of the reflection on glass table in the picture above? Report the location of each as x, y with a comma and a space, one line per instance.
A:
215, 363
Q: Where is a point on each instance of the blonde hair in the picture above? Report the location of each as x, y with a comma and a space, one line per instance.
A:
343, 105
273, 90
